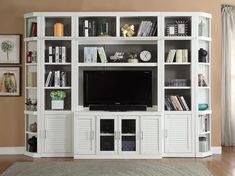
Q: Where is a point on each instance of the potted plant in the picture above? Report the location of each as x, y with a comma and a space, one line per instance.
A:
132, 58
57, 99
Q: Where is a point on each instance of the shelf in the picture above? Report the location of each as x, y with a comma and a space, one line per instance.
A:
31, 113
119, 38
208, 39
176, 63
203, 87
128, 134
204, 63
33, 88
117, 64
204, 112
57, 64
177, 112
57, 38
31, 133
203, 133
187, 87
106, 134
57, 112
57, 88
178, 38
30, 39
31, 64
32, 154
204, 154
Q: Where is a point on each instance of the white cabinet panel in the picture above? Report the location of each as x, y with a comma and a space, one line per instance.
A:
150, 134
84, 137
58, 134
178, 133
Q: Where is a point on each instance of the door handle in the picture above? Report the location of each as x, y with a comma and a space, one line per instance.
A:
142, 135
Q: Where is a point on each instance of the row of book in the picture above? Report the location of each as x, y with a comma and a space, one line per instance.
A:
177, 55
205, 123
176, 103
89, 28
90, 54
32, 30
57, 54
56, 79
147, 28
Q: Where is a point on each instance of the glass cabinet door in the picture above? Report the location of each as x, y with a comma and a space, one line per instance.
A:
106, 135
128, 135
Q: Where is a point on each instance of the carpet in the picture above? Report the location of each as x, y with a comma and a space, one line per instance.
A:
107, 168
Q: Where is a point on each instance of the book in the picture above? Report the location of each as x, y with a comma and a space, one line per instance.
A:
33, 30
181, 103
140, 29
63, 54
184, 102
86, 28
179, 55
90, 54
50, 53
103, 57
57, 54
48, 78
171, 55
32, 79
57, 78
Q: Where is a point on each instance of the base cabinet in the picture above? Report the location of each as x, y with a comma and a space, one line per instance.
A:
58, 135
117, 136
178, 135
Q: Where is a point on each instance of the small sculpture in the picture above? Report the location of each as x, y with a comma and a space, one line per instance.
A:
128, 31
118, 56
202, 55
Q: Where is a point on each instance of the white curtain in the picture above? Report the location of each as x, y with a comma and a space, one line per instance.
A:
228, 76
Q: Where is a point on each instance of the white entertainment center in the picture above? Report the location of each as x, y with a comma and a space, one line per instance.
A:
180, 48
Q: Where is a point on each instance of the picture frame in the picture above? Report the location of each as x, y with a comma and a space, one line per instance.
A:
10, 48
171, 29
182, 27
10, 81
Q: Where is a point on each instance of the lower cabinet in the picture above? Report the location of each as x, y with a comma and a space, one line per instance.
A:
178, 135
58, 135
117, 135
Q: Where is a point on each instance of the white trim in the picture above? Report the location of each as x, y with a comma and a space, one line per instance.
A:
216, 150
11, 150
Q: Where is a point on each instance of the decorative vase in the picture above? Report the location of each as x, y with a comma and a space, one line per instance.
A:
202, 55
33, 127
203, 106
57, 104
133, 60
58, 29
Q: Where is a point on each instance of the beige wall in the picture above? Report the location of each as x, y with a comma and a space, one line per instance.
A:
11, 22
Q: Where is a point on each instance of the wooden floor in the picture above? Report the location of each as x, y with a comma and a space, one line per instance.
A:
219, 165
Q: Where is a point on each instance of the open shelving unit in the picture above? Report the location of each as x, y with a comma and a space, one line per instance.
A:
182, 129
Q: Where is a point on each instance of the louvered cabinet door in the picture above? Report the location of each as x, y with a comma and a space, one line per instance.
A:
150, 135
58, 134
84, 137
178, 133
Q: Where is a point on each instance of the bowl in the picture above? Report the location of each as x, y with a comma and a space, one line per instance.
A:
203, 106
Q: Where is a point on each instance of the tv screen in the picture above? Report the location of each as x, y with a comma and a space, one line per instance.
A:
118, 87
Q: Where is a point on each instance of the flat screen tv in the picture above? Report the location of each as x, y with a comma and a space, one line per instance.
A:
118, 87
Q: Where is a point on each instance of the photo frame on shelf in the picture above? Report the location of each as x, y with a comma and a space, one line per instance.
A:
182, 27
171, 29
10, 81
10, 47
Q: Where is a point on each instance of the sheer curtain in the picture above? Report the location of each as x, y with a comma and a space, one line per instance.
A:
228, 76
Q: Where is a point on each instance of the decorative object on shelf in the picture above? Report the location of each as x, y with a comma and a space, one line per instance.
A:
10, 49
32, 144
34, 57
203, 144
59, 29
104, 28
90, 54
201, 80
117, 57
57, 97
132, 58
33, 127
182, 27
202, 106
171, 29
9, 81
202, 55
29, 56
128, 30
102, 54
202, 28
177, 82
32, 30
31, 105
145, 56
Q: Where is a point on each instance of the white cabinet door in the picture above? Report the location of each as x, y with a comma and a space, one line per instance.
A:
106, 135
58, 134
84, 137
150, 135
178, 133
128, 135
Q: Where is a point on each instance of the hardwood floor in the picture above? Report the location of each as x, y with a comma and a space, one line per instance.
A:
219, 165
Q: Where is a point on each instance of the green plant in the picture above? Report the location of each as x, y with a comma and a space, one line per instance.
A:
7, 46
132, 55
58, 95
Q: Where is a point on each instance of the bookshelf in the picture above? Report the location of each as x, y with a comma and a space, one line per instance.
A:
68, 43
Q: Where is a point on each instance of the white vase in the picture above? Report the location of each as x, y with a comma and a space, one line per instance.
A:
57, 104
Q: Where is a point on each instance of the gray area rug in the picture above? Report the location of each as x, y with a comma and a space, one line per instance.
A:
107, 168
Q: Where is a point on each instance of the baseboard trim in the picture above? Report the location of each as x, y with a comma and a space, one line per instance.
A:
216, 150
12, 150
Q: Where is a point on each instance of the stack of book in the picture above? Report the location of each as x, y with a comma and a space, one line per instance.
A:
32, 30
176, 103
57, 54
147, 28
205, 123
90, 54
56, 79
89, 28
177, 55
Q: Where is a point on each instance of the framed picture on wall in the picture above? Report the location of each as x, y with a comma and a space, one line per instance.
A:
10, 81
10, 48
